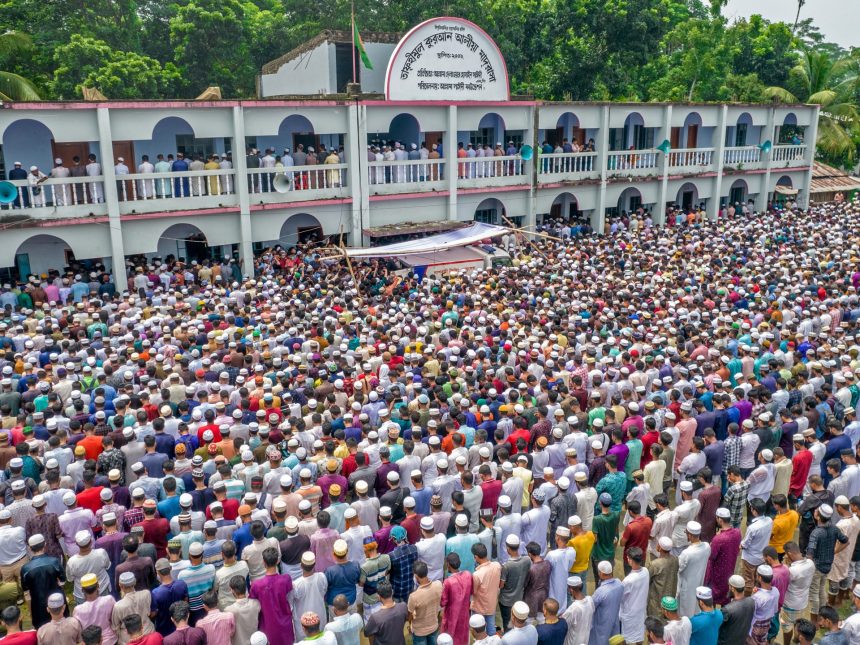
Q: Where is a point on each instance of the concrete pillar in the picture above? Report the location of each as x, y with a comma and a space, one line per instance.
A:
530, 167
358, 171
361, 186
598, 217
120, 278
768, 134
240, 184
449, 149
810, 139
664, 133
719, 159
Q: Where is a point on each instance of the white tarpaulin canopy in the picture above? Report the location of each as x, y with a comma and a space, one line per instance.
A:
432, 243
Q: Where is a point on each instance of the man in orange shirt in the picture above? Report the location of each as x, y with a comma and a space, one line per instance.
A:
91, 443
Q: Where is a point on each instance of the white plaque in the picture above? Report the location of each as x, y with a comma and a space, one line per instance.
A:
446, 59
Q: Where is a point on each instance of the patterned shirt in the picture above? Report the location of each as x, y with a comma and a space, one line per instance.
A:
110, 459
736, 501
822, 542
616, 485
199, 579
733, 451
402, 560
133, 516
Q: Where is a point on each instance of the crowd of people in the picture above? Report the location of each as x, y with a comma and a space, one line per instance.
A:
620, 438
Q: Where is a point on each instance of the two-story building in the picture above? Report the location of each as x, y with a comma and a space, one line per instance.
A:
446, 86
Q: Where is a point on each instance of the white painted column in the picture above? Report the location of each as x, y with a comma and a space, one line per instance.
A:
665, 132
240, 184
598, 218
120, 278
764, 191
719, 160
449, 149
810, 139
530, 167
358, 171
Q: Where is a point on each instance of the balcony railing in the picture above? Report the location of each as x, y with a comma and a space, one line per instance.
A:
68, 197
691, 160
477, 172
325, 181
633, 162
749, 157
789, 156
568, 166
406, 176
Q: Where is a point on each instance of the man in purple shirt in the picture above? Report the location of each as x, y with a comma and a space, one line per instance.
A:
276, 615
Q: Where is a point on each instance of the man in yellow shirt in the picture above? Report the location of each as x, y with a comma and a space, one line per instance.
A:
582, 541
784, 524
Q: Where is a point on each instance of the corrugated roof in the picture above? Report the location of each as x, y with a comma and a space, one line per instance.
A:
827, 179
330, 35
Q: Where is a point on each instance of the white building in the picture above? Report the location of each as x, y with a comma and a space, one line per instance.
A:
446, 82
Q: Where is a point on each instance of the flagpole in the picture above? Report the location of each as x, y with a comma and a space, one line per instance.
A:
352, 12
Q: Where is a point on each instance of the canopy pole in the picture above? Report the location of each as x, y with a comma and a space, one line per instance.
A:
346, 256
517, 232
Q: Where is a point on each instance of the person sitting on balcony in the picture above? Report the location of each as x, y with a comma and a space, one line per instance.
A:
163, 187
62, 194
35, 179
197, 183
145, 187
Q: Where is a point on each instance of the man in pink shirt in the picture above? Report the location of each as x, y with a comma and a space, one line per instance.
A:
686, 431
218, 625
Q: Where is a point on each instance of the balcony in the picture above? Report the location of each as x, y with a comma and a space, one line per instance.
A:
58, 198
480, 172
743, 158
304, 183
406, 176
633, 163
691, 161
568, 166
789, 156
172, 191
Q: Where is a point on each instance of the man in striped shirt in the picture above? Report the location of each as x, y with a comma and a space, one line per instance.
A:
199, 578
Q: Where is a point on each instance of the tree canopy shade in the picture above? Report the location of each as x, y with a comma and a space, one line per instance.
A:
645, 50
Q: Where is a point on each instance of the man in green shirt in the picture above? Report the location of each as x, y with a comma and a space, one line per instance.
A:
634, 457
605, 528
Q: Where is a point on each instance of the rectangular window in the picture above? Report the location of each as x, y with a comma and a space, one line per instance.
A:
486, 216
482, 137
741, 135
190, 146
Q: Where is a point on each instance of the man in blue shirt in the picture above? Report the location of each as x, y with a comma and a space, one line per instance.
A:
706, 623
342, 577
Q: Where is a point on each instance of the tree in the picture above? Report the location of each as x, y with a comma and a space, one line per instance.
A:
210, 43
128, 75
832, 84
14, 87
76, 61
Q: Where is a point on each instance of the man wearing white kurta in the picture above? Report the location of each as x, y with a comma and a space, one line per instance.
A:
634, 602
685, 512
561, 560
308, 593
579, 614
692, 564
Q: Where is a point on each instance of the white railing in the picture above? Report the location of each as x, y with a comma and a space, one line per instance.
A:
699, 158
174, 185
406, 171
789, 154
77, 195
638, 162
502, 166
742, 155
300, 178
568, 163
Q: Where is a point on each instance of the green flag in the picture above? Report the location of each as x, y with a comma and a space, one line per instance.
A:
365, 59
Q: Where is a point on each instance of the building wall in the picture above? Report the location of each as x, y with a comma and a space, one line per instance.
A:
309, 74
373, 80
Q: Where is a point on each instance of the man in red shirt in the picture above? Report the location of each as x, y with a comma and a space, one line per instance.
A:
15, 634
91, 443
490, 487
210, 424
155, 530
648, 439
520, 433
90, 497
801, 462
134, 626
636, 533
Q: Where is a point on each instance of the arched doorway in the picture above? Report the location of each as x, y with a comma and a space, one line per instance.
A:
42, 253
30, 142
300, 229
184, 242
297, 129
565, 207
491, 130
738, 192
691, 131
567, 127
688, 196
629, 200
491, 211
784, 190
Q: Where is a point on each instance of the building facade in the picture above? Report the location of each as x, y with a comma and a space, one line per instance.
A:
712, 155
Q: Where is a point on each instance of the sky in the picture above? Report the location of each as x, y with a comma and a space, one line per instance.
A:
837, 19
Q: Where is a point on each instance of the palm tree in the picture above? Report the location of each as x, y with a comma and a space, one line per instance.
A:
817, 78
800, 4
12, 86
